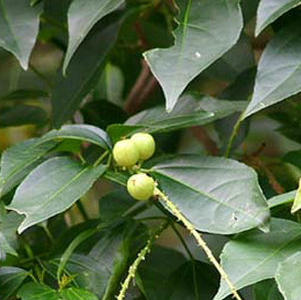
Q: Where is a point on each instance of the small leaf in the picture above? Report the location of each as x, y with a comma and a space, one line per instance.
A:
19, 28
10, 280
278, 81
206, 30
52, 188
297, 200
254, 256
37, 291
84, 70
77, 294
18, 160
82, 16
270, 10
217, 195
288, 275
80, 132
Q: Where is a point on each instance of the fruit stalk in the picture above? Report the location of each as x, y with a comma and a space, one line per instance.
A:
200, 241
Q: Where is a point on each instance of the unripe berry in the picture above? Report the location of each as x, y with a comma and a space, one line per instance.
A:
141, 186
125, 153
145, 144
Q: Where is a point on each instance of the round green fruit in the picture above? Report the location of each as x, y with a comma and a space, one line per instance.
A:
141, 186
145, 144
125, 153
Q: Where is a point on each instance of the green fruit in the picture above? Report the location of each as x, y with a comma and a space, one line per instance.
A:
141, 186
145, 144
125, 153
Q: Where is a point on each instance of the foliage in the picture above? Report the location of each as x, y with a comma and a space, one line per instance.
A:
214, 88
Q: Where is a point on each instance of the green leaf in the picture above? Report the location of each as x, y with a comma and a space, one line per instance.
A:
84, 71
82, 16
278, 81
10, 280
254, 256
270, 10
182, 284
282, 199
152, 274
24, 95
297, 200
37, 291
267, 290
116, 250
5, 248
207, 29
18, 160
293, 157
288, 275
19, 28
77, 294
113, 205
21, 114
80, 132
217, 195
71, 248
52, 188
192, 110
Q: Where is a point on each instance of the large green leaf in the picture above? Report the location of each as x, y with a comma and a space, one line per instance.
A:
19, 26
77, 294
254, 256
84, 70
21, 95
288, 275
82, 16
207, 29
18, 160
20, 114
37, 291
52, 188
191, 110
270, 10
278, 81
80, 132
217, 195
10, 280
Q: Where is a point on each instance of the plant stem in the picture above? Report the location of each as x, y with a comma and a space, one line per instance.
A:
199, 241
141, 256
234, 134
100, 159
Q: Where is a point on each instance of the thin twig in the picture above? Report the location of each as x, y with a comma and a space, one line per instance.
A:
142, 88
201, 135
234, 134
199, 241
141, 256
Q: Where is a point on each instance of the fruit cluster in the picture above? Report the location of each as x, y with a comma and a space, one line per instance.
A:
127, 153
